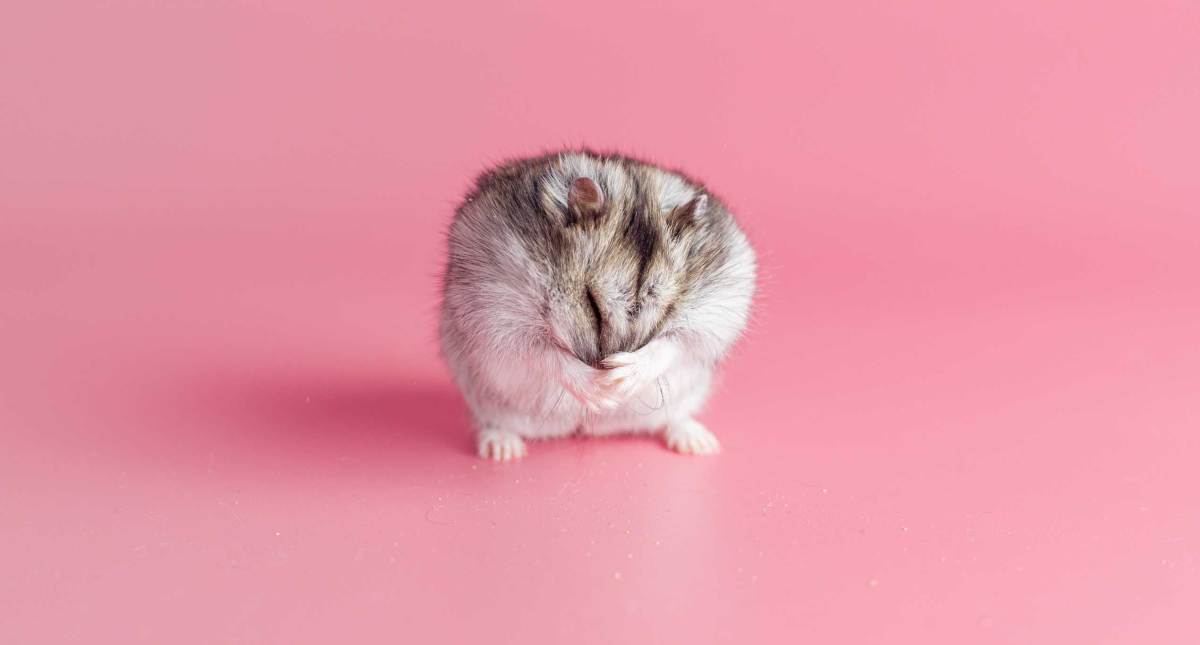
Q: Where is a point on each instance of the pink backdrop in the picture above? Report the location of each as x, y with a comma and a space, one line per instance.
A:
966, 412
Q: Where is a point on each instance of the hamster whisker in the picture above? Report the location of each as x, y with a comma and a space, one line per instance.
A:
650, 409
561, 393
664, 390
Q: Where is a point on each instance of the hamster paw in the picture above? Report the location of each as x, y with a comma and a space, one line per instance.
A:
626, 373
499, 445
621, 378
689, 437
580, 381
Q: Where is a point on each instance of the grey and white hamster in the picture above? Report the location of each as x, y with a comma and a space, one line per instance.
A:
591, 293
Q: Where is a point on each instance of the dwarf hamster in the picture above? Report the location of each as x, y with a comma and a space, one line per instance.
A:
591, 293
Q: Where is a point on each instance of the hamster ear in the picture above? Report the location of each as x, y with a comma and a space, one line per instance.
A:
585, 197
689, 214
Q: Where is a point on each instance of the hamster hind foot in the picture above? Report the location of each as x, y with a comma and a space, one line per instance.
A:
690, 437
500, 445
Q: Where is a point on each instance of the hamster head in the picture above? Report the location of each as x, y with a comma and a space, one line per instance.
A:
628, 244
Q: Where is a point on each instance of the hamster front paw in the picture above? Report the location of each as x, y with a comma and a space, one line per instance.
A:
582, 381
626, 373
690, 437
500, 445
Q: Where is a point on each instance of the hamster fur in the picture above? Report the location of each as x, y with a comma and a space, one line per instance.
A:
591, 293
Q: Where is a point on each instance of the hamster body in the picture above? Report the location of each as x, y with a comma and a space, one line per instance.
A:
594, 294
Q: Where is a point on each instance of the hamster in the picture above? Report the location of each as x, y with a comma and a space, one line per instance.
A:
594, 294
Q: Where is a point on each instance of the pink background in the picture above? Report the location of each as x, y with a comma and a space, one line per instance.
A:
966, 412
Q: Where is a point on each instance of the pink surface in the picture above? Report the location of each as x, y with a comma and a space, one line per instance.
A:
967, 410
